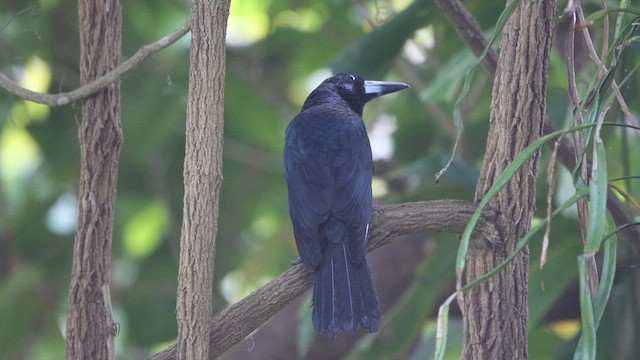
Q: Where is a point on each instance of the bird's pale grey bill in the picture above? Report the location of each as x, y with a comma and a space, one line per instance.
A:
376, 88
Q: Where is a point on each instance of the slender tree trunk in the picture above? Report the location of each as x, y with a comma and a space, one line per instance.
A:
90, 328
496, 311
202, 177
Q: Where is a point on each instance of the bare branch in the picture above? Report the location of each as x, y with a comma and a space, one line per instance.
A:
55, 100
389, 221
469, 30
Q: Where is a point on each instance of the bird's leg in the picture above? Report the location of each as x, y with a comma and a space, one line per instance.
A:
296, 261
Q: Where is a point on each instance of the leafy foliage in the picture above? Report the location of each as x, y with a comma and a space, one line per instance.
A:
278, 51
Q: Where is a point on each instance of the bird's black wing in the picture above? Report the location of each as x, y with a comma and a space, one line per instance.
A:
353, 200
310, 186
328, 170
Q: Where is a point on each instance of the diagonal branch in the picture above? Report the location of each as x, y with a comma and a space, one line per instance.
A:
469, 30
55, 100
389, 221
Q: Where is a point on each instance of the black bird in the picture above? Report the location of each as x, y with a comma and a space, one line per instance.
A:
328, 168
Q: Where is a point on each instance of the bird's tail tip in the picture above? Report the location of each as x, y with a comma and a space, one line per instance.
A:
344, 297
335, 327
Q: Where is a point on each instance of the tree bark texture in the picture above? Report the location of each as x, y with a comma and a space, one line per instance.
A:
496, 311
389, 222
472, 35
202, 177
90, 329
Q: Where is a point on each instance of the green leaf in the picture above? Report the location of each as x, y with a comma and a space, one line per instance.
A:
608, 272
523, 242
591, 313
597, 197
443, 323
501, 182
586, 349
468, 77
604, 12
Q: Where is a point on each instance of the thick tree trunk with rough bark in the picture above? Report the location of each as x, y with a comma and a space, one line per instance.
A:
496, 311
202, 177
90, 328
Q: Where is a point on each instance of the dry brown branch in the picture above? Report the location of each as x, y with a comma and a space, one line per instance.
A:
389, 221
55, 100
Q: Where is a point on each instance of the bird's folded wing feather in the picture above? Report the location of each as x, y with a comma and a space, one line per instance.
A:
323, 185
353, 202
309, 206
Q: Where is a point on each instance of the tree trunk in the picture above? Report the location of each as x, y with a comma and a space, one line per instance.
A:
496, 311
90, 328
202, 177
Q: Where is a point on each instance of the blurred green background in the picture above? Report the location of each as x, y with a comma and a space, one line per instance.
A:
278, 51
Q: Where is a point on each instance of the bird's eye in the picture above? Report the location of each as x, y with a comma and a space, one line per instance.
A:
353, 78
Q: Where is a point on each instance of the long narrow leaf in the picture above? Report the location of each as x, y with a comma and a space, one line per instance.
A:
586, 349
602, 13
606, 279
441, 330
523, 242
631, 201
597, 196
468, 76
501, 182
604, 291
624, 7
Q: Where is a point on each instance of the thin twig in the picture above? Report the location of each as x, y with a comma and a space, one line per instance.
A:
605, 31
55, 100
572, 89
631, 120
551, 179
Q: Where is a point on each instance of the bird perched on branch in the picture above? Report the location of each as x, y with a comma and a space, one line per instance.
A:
328, 168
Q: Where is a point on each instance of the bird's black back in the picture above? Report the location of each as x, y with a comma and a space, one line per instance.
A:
328, 168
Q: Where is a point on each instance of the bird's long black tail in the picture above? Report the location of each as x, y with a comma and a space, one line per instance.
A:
344, 297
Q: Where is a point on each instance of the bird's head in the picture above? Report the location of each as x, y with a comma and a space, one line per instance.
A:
353, 89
